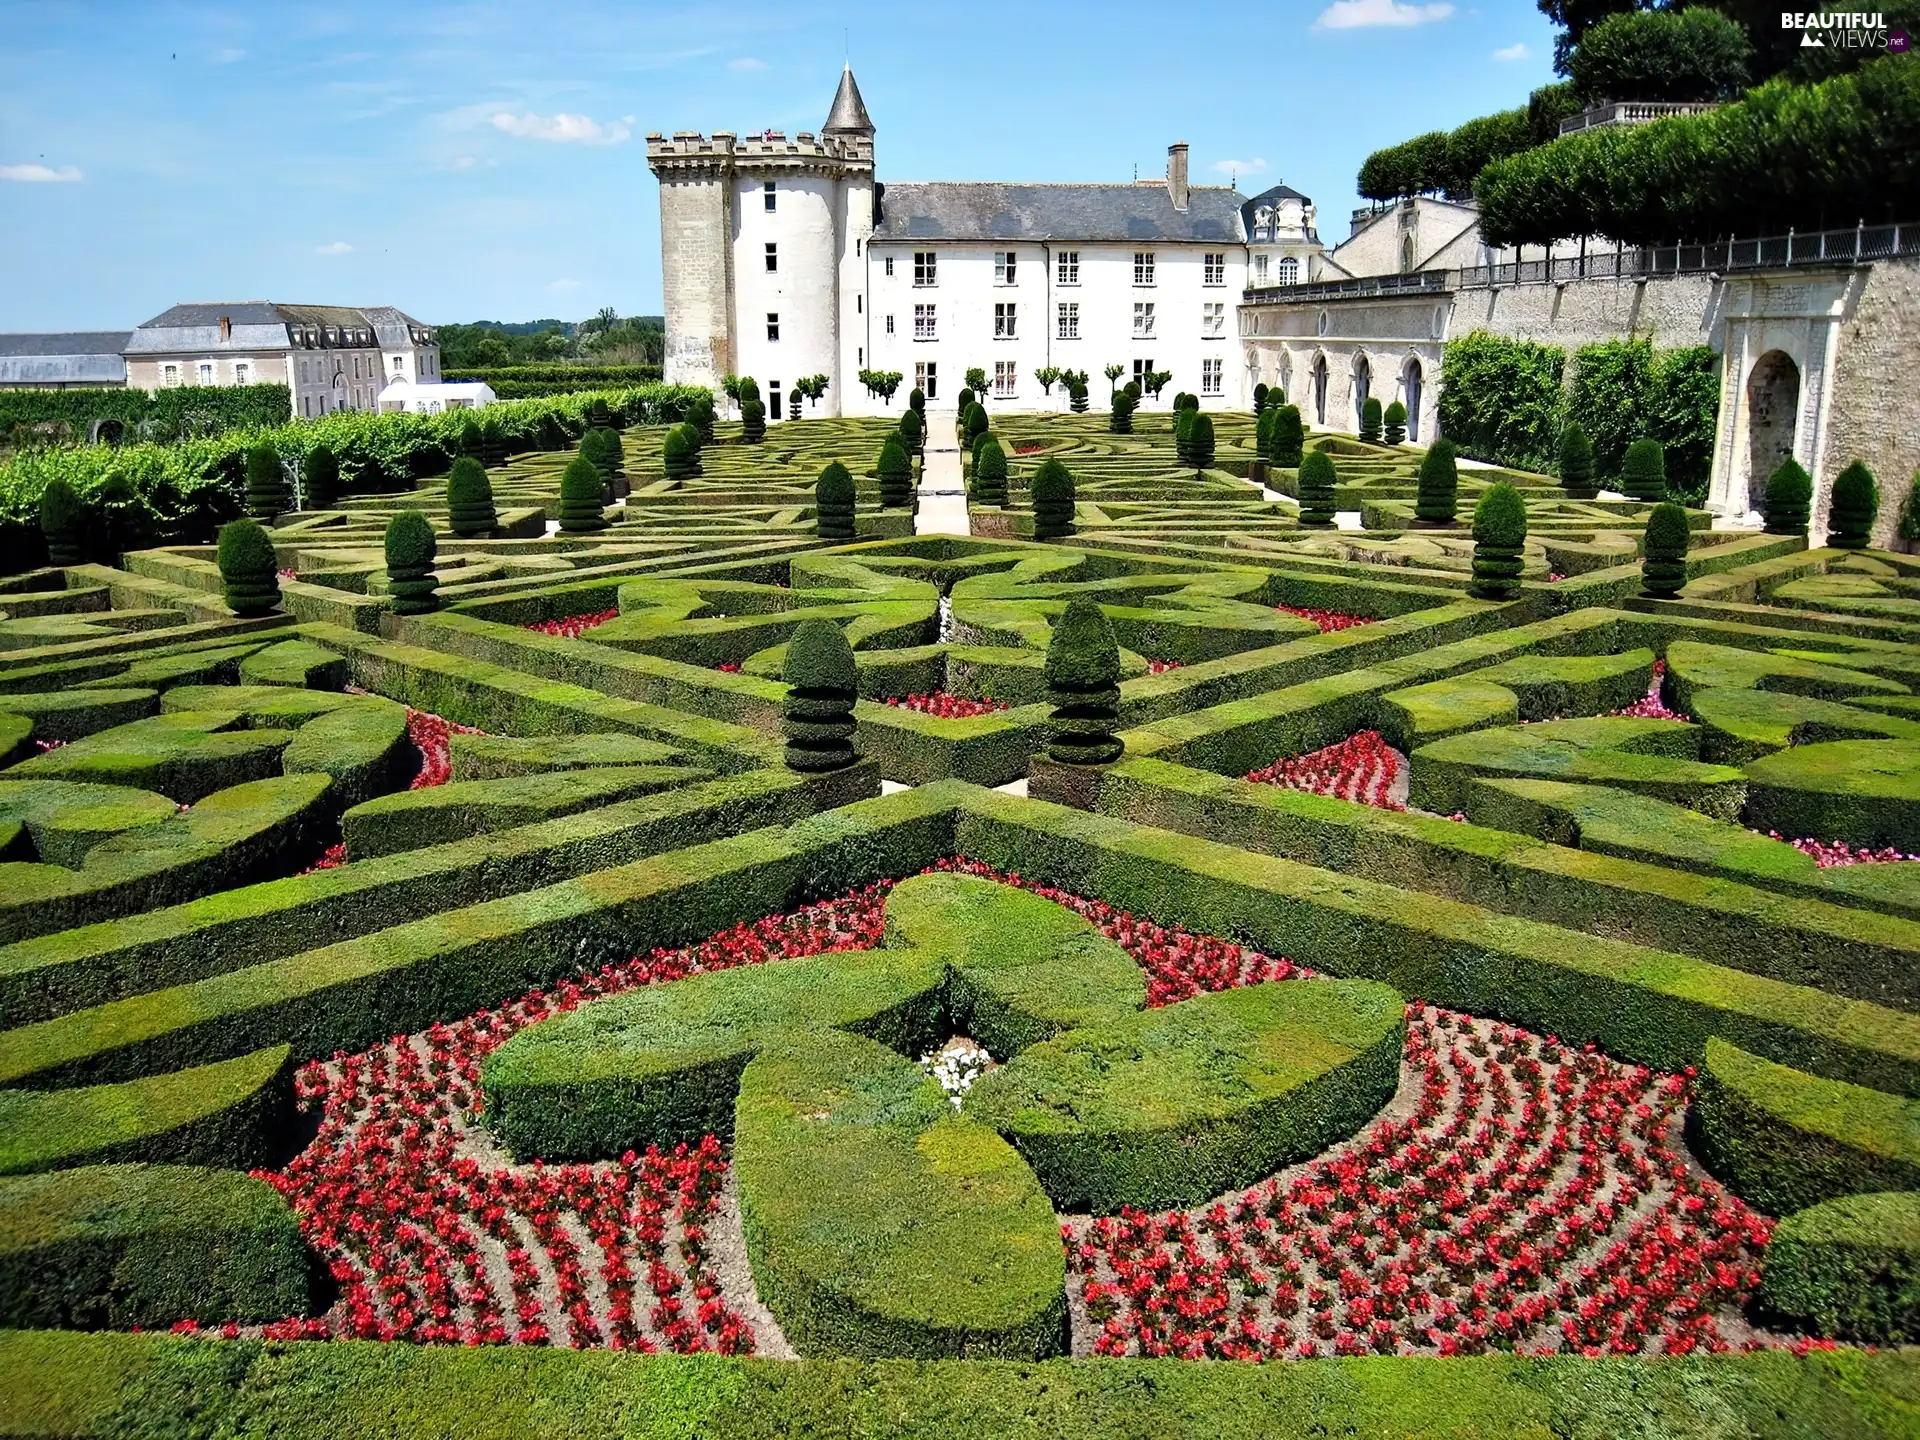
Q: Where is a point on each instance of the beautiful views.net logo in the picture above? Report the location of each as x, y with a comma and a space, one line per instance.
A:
1842, 30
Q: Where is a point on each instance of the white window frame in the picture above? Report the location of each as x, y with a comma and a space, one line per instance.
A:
1213, 319
1069, 320
1006, 267
1005, 378
773, 257
1068, 269
1259, 269
1005, 320
170, 376
1143, 264
767, 194
240, 371
1289, 270
926, 323
926, 377
773, 327
205, 372
889, 324
1213, 267
926, 268
1143, 319
1212, 375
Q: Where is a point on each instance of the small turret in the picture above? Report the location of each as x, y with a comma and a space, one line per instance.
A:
849, 113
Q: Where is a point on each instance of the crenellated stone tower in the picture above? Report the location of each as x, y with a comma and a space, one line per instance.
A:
762, 244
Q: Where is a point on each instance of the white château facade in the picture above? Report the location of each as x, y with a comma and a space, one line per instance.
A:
785, 258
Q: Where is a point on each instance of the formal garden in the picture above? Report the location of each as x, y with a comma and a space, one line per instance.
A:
588, 917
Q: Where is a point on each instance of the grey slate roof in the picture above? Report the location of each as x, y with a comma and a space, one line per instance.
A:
71, 342
849, 112
84, 357
950, 210
263, 324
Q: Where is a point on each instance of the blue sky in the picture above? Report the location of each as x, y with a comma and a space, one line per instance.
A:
467, 161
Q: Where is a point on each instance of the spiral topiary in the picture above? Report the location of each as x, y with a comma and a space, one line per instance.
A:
1643, 473
1182, 431
1370, 420
613, 455
411, 551
680, 452
1200, 440
833, 498
1289, 437
266, 483
1052, 493
596, 413
965, 400
1664, 570
320, 478
63, 520
990, 472
469, 499
822, 685
1083, 683
249, 577
593, 445
1394, 426
1856, 500
466, 437
976, 426
700, 416
913, 431
1077, 397
1259, 397
917, 402
1788, 500
1499, 533
753, 422
1120, 415
1317, 479
582, 497
1263, 434
1437, 500
895, 473
1576, 463
493, 441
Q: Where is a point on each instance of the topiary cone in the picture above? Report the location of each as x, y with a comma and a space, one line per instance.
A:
823, 683
1200, 440
1664, 570
411, 550
1083, 682
1438, 499
1263, 434
1499, 534
1394, 424
990, 472
1576, 463
469, 499
1289, 437
1370, 420
753, 421
320, 478
1182, 428
1788, 500
895, 473
833, 497
1052, 494
1643, 472
1315, 487
1856, 500
582, 497
1259, 397
1120, 415
249, 577
680, 452
912, 431
63, 520
266, 490
917, 402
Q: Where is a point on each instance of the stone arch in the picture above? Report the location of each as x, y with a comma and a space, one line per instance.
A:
1407, 255
1319, 383
1412, 386
1362, 384
1773, 412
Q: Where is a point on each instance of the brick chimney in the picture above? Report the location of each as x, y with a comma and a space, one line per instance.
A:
1177, 174
226, 328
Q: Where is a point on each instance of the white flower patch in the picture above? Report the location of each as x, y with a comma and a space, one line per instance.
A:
956, 1067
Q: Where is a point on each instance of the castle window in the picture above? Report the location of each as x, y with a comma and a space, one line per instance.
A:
859, 304
1143, 319
170, 374
1003, 322
889, 324
1004, 262
889, 263
924, 272
1068, 267
1210, 373
1142, 268
1003, 379
773, 399
773, 257
925, 380
1213, 319
1216, 267
1142, 369
1289, 271
1069, 328
206, 373
240, 372
766, 199
1259, 269
923, 322
773, 326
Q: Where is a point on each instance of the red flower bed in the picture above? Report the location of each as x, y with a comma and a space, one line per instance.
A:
1161, 667
946, 706
574, 626
1361, 768
1534, 1199
431, 736
1650, 706
1829, 853
1029, 449
728, 667
1327, 620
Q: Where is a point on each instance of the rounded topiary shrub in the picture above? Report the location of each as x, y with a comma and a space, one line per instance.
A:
1289, 437
1370, 420
700, 416
1499, 533
411, 551
1263, 434
1643, 473
1437, 499
1664, 570
917, 402
823, 684
1052, 492
1317, 479
63, 520
1083, 683
613, 454
1182, 433
1077, 397
1120, 413
680, 452
469, 499
964, 403
1856, 500
1788, 500
833, 498
1576, 463
1259, 397
466, 438
990, 472
320, 478
266, 483
249, 578
1200, 440
913, 431
1848, 1269
582, 496
1393, 425
753, 421
895, 474
976, 425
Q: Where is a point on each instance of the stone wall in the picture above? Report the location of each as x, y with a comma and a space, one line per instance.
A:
1674, 310
1873, 413
696, 233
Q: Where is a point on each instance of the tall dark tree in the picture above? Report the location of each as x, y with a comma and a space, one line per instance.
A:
1200, 440
1393, 427
1576, 463
895, 473
990, 472
267, 494
1289, 437
1643, 472
1370, 420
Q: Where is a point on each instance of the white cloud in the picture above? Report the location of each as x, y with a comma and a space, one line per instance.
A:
66, 173
1515, 51
1239, 167
1369, 14
333, 247
561, 287
746, 62
564, 128
227, 55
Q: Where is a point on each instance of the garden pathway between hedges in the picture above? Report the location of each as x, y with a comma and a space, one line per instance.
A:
943, 486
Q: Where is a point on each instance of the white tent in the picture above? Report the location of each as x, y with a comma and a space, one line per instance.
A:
404, 397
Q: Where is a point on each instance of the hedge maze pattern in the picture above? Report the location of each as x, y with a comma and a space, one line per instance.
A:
1428, 975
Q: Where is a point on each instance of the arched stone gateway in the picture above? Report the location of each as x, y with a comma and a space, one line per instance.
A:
1412, 381
1362, 386
1773, 406
1320, 389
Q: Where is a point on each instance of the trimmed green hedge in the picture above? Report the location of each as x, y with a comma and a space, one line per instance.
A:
1784, 1139
118, 1245
500, 757
1864, 792
1848, 1268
